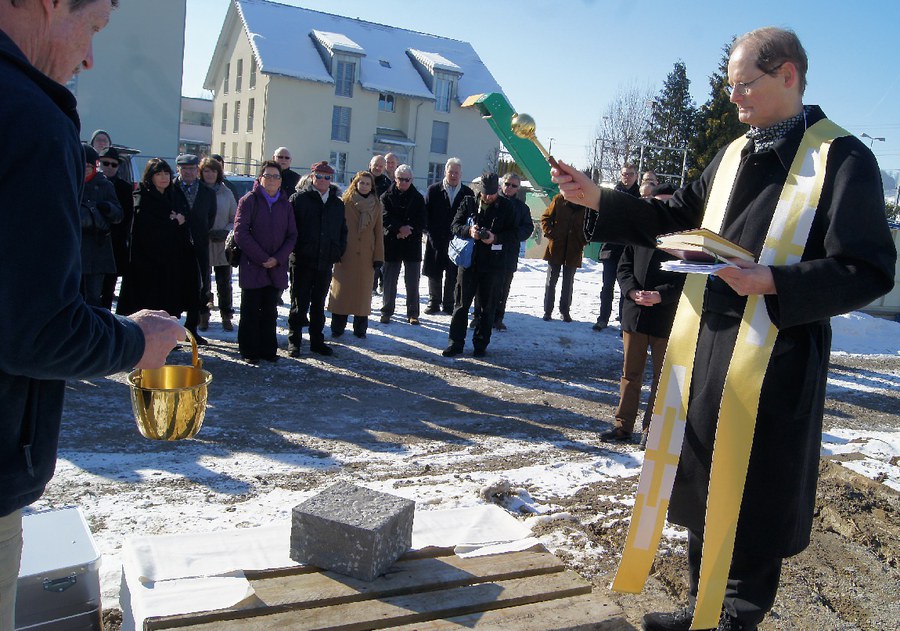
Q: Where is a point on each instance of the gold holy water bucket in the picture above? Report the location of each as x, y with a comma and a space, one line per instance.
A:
169, 403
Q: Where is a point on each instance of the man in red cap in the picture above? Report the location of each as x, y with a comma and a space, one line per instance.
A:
321, 241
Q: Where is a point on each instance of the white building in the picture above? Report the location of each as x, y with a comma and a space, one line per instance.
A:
341, 89
195, 132
134, 89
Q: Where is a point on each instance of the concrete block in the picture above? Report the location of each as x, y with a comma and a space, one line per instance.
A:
352, 530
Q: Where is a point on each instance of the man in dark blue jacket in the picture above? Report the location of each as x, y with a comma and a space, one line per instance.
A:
47, 332
489, 219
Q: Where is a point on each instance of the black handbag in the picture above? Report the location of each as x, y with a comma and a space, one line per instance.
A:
232, 250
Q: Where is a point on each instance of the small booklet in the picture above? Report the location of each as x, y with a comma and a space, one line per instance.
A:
702, 246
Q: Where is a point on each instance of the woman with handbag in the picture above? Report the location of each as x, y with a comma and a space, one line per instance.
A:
351, 285
226, 207
266, 231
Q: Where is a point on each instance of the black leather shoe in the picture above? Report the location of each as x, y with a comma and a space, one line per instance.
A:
547, 317
479, 352
500, 326
431, 310
567, 317
385, 318
599, 326
676, 621
452, 351
294, 351
321, 349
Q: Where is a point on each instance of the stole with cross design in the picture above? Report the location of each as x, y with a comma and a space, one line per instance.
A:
784, 245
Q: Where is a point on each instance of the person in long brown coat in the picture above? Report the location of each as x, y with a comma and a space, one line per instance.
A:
562, 224
351, 286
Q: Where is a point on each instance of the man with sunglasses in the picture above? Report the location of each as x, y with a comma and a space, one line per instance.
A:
321, 241
120, 232
509, 190
752, 340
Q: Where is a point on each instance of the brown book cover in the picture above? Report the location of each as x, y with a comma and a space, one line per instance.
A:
701, 246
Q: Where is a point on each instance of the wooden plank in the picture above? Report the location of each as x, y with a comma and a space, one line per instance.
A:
587, 612
291, 588
411, 608
403, 577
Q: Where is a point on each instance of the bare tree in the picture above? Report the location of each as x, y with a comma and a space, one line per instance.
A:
492, 159
620, 132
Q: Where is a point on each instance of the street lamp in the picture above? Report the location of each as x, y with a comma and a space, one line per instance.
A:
871, 139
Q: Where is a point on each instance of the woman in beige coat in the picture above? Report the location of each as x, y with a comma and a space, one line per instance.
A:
351, 286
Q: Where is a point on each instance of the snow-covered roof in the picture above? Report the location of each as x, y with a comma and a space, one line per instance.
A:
434, 61
284, 40
336, 42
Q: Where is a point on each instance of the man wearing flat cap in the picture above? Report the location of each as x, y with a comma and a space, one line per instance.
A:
202, 203
321, 241
488, 219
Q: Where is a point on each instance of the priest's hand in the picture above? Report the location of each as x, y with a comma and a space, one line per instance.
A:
575, 186
748, 278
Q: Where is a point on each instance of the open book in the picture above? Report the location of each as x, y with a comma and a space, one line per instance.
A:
700, 251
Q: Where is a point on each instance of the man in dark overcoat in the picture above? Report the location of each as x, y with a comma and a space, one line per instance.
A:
489, 220
321, 242
202, 204
442, 200
847, 262
119, 232
403, 221
610, 252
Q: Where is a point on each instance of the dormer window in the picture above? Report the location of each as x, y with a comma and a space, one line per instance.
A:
443, 88
344, 76
384, 63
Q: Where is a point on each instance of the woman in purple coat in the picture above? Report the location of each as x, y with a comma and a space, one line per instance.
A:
266, 231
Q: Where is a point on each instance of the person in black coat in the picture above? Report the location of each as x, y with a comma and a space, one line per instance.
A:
321, 242
377, 166
201, 201
163, 272
119, 232
610, 253
289, 178
649, 299
442, 200
100, 211
847, 261
404, 221
488, 219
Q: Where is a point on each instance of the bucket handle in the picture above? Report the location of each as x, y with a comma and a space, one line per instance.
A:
195, 354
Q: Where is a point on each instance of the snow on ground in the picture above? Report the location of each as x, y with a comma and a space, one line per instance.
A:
222, 501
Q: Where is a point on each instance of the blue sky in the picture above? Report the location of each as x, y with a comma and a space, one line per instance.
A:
564, 62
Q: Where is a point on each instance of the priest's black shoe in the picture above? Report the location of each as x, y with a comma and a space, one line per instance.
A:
676, 621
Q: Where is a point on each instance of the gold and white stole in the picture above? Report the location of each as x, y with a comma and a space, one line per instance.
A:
784, 245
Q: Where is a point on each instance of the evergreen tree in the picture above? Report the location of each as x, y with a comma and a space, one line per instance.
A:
717, 123
672, 123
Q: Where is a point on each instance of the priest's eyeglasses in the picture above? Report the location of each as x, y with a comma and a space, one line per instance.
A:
742, 89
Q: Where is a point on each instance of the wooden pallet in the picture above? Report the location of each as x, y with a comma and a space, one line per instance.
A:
428, 589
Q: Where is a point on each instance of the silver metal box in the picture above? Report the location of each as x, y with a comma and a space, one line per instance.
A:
59, 579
